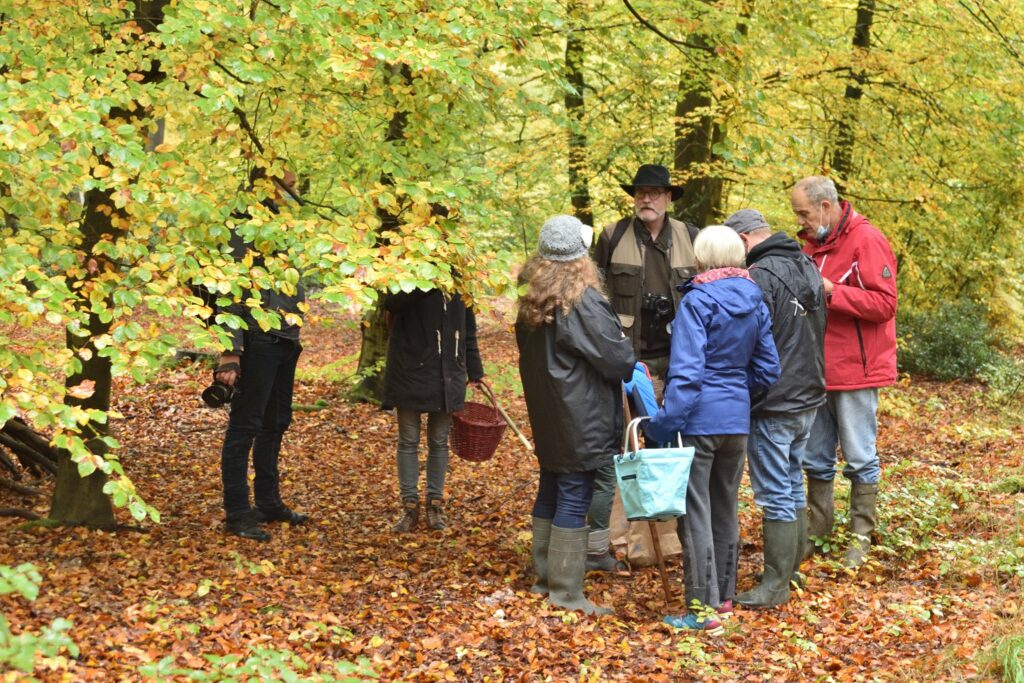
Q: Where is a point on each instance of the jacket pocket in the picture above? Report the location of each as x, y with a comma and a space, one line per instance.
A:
624, 280
684, 273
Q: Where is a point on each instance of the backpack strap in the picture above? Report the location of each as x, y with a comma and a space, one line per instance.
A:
617, 233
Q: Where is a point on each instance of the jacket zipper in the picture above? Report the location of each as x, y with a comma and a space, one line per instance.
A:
860, 341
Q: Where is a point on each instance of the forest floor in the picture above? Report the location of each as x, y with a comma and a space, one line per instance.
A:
342, 598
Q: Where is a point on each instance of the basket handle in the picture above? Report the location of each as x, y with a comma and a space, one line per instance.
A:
486, 389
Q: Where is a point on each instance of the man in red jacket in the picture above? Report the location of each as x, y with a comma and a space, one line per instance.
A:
859, 273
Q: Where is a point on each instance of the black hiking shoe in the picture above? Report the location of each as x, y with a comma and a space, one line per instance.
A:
282, 513
247, 525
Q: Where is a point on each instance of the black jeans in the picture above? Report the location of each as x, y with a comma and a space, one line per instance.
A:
260, 414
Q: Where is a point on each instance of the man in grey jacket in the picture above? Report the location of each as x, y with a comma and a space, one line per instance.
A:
781, 419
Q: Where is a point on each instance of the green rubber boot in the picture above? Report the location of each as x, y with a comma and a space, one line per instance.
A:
821, 511
567, 559
863, 500
541, 539
781, 546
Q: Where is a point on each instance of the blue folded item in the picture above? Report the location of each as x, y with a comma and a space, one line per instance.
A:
641, 389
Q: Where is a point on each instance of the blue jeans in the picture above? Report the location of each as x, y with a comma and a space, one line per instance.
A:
438, 426
848, 420
260, 414
564, 498
775, 454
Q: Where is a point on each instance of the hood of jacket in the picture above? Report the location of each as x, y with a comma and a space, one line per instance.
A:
730, 288
782, 246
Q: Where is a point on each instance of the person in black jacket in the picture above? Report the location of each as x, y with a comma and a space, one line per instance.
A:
432, 352
573, 357
781, 420
260, 365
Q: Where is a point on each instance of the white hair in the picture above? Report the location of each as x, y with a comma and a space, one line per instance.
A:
819, 189
719, 246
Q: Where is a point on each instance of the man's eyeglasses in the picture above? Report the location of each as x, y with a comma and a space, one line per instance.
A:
651, 192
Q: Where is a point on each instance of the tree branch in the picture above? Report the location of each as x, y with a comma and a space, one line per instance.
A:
670, 39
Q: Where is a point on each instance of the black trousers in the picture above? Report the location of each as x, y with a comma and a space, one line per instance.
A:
260, 415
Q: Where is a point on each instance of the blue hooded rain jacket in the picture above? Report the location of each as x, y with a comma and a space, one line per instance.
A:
722, 353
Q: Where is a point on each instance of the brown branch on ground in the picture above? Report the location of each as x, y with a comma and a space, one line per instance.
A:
19, 488
19, 512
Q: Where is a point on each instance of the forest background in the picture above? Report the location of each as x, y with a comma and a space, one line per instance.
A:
129, 133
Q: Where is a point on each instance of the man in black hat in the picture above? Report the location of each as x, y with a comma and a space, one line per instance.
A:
644, 258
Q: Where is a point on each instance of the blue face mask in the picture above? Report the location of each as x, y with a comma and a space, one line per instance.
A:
823, 230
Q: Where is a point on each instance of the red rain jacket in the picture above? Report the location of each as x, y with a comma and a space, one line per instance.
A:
860, 335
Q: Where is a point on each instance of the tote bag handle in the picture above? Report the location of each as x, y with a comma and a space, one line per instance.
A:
632, 438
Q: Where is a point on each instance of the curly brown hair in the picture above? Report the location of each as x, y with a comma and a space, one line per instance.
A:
554, 284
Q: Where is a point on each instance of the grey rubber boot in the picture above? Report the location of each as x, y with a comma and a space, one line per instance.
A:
821, 511
801, 540
863, 500
781, 546
599, 557
541, 539
567, 558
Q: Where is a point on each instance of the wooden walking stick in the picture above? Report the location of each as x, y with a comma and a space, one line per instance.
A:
651, 524
504, 415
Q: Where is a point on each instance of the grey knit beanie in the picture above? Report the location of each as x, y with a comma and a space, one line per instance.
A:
562, 238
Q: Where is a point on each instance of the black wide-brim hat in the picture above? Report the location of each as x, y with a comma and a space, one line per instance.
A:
653, 175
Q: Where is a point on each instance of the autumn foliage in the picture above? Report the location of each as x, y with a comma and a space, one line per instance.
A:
942, 590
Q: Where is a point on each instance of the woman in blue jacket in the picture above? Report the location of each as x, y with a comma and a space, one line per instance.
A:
722, 353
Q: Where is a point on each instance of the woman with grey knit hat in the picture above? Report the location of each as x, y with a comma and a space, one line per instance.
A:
573, 358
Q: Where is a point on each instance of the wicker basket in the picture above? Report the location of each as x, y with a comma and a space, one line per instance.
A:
477, 429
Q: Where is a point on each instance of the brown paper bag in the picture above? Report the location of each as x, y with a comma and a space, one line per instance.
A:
634, 538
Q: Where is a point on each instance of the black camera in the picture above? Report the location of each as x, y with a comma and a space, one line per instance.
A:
659, 304
218, 394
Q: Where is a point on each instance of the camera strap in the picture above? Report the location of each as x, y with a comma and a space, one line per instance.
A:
228, 367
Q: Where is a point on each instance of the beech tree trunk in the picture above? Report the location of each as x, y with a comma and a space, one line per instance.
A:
374, 345
696, 134
579, 174
842, 148
80, 501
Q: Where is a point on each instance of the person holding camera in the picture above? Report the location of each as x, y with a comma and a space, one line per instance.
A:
644, 258
257, 376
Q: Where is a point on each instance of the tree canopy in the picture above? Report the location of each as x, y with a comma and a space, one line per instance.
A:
129, 133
